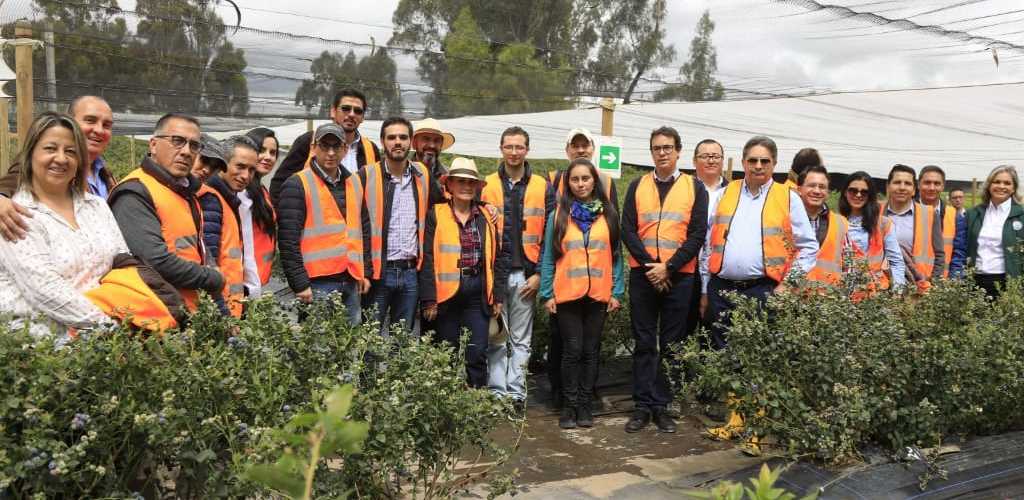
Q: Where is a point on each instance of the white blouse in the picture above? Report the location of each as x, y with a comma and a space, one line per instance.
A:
43, 277
990, 239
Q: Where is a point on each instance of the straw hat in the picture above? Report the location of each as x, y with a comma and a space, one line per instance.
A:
433, 126
464, 168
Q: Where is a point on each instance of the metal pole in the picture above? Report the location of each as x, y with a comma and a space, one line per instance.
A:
23, 72
51, 68
5, 136
607, 117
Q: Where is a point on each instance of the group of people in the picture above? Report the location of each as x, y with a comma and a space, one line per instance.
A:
392, 235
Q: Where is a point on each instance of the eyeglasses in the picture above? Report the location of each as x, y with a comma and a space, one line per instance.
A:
664, 148
762, 161
859, 193
336, 146
179, 142
709, 157
345, 108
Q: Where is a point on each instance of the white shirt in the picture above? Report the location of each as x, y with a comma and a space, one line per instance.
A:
250, 273
744, 248
46, 273
351, 159
990, 240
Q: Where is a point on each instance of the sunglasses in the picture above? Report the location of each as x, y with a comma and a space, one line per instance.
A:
345, 108
179, 142
762, 161
860, 193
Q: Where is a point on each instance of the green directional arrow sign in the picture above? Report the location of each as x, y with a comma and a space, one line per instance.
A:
609, 156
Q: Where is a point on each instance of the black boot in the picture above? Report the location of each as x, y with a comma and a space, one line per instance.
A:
568, 418
584, 415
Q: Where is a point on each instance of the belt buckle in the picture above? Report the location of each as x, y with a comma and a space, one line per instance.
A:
466, 272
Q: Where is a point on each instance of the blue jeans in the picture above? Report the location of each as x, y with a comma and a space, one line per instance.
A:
349, 291
467, 310
395, 297
507, 360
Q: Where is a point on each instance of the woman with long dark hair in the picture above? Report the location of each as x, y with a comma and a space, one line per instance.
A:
871, 233
581, 280
263, 246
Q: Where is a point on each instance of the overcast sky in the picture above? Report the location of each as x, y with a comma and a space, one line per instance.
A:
762, 45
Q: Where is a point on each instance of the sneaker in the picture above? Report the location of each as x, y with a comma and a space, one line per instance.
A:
584, 416
664, 421
641, 417
568, 418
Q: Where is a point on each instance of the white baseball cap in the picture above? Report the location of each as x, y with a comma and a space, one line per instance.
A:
579, 131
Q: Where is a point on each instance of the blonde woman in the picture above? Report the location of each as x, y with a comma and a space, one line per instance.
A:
995, 231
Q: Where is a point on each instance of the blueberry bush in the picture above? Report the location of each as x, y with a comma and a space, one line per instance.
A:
120, 415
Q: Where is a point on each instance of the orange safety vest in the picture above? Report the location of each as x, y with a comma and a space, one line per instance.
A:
123, 293
329, 244
662, 227
264, 245
374, 199
534, 210
229, 262
555, 177
180, 232
367, 144
923, 252
948, 234
778, 246
448, 250
585, 267
877, 265
829, 266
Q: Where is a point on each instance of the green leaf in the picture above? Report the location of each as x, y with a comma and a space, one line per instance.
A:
278, 479
339, 401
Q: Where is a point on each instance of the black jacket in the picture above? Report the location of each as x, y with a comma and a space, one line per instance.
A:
513, 214
135, 213
296, 160
696, 230
427, 285
291, 218
434, 195
213, 216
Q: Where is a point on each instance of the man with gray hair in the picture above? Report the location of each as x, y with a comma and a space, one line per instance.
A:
156, 208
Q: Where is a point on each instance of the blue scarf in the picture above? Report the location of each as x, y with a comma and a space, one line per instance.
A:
584, 214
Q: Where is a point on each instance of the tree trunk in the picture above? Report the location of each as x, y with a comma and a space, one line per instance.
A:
632, 85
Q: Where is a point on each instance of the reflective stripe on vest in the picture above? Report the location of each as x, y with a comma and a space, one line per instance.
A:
534, 209
375, 202
662, 227
264, 244
329, 245
829, 266
778, 247
585, 268
181, 235
877, 263
229, 262
923, 252
448, 249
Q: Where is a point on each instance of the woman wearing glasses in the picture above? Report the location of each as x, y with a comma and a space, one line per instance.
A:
872, 234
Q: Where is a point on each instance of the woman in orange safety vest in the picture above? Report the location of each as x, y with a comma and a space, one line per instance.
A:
465, 267
871, 233
581, 280
264, 217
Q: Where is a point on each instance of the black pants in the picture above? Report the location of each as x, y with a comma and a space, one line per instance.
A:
580, 323
659, 323
993, 284
718, 305
467, 310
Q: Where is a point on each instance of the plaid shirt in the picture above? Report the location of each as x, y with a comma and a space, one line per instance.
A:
403, 237
472, 243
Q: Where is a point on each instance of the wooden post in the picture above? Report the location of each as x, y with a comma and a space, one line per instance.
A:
5, 136
309, 124
132, 160
974, 191
23, 72
728, 173
607, 117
